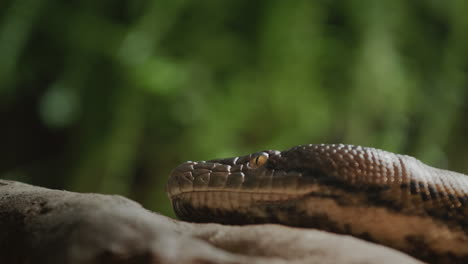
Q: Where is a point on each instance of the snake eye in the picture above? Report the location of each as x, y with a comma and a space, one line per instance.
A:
258, 160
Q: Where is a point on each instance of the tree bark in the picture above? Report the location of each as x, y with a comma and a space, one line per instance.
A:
39, 225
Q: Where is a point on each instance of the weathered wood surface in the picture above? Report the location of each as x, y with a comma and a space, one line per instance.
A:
39, 225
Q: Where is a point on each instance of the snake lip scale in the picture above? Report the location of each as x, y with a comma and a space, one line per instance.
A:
387, 198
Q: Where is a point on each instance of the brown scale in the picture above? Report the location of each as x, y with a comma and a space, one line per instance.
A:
355, 190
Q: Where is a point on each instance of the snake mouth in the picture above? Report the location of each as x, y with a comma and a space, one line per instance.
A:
230, 207
200, 190
227, 188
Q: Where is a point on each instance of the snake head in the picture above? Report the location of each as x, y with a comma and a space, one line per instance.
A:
229, 174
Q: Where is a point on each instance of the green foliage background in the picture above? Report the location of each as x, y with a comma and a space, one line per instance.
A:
109, 96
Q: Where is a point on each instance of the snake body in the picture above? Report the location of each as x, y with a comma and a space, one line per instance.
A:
390, 199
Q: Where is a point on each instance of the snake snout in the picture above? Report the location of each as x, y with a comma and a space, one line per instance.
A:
202, 176
180, 179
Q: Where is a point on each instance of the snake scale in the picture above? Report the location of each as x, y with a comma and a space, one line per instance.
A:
390, 199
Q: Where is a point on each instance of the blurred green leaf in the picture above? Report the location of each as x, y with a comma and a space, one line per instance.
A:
109, 96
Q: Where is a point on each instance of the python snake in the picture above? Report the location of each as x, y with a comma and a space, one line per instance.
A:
390, 199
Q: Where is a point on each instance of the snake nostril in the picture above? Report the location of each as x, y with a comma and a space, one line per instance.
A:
188, 176
205, 178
